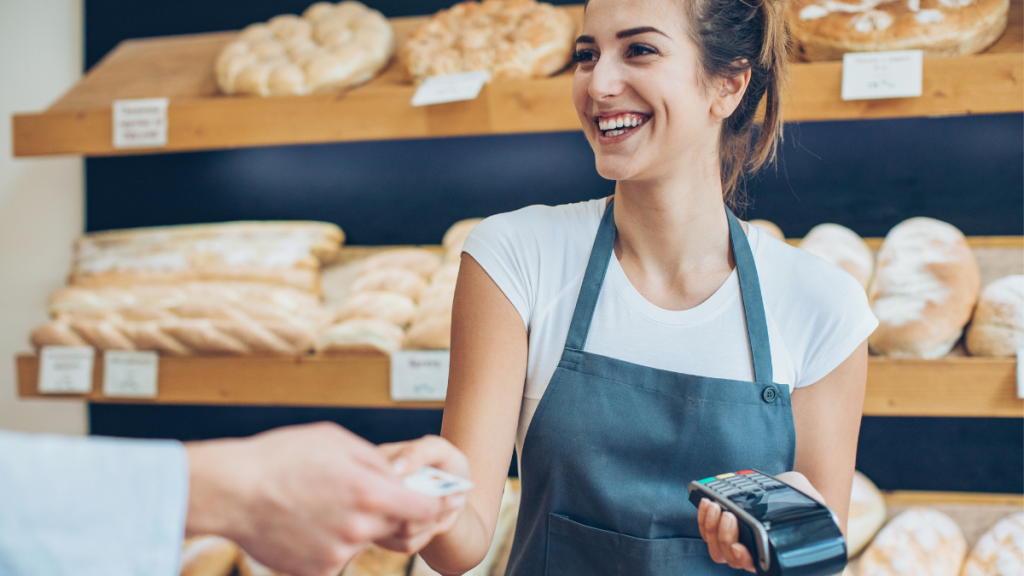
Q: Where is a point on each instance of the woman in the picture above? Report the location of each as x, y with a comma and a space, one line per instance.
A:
627, 346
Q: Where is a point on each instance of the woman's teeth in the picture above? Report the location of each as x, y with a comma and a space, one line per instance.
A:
620, 124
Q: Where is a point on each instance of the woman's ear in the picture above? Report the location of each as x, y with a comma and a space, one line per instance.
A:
728, 93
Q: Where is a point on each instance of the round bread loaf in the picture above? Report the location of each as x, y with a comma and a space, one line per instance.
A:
1000, 551
398, 280
418, 260
508, 38
456, 236
918, 541
867, 514
331, 47
361, 335
842, 247
827, 29
769, 227
997, 328
924, 290
391, 307
208, 556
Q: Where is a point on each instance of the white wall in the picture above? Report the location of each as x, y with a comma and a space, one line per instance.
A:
41, 200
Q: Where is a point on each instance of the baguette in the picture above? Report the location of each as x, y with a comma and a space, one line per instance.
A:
361, 335
392, 307
418, 260
399, 280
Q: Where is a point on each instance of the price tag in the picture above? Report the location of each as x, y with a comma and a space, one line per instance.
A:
872, 75
419, 374
65, 369
450, 88
1020, 373
129, 374
140, 123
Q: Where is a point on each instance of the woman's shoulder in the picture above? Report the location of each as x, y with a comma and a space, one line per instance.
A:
797, 273
525, 230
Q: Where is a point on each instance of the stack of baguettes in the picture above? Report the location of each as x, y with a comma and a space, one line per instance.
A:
233, 288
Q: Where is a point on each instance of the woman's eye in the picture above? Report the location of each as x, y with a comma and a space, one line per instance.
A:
580, 56
640, 50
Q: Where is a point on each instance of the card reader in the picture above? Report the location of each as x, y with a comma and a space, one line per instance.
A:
787, 532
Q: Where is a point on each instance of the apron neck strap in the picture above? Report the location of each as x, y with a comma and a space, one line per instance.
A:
750, 291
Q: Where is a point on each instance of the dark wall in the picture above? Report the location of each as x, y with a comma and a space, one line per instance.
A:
868, 175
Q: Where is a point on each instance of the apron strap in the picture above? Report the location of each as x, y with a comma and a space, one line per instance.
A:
753, 305
750, 291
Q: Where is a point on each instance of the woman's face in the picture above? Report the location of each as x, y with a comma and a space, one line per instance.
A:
637, 93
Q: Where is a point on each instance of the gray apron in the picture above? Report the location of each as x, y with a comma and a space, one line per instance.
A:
613, 445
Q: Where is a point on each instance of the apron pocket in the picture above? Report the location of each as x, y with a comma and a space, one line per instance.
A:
575, 549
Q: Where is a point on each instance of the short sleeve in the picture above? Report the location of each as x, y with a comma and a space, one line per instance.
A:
505, 253
91, 506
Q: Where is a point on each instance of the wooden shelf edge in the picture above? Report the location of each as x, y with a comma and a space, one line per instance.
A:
952, 387
926, 498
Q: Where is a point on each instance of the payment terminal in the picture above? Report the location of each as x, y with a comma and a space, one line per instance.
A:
787, 532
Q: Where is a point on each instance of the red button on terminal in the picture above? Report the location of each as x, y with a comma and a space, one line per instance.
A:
746, 472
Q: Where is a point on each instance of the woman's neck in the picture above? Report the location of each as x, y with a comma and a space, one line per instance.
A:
673, 239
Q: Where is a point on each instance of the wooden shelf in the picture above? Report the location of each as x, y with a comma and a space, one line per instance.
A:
200, 118
955, 386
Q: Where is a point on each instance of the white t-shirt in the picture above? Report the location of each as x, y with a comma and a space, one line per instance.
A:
817, 314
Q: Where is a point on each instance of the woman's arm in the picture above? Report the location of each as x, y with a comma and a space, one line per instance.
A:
481, 412
827, 419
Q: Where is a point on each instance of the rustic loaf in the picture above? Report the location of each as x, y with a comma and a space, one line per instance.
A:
924, 290
867, 514
997, 328
842, 247
331, 47
918, 541
1000, 551
361, 335
208, 556
285, 253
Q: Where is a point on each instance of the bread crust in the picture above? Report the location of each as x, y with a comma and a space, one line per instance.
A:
208, 556
997, 327
918, 541
841, 247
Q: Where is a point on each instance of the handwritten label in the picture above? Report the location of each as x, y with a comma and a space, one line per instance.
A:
419, 374
65, 369
140, 123
129, 373
872, 75
450, 88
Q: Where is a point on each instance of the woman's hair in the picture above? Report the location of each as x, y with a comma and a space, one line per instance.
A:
732, 36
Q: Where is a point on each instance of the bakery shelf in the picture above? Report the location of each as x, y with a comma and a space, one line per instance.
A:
199, 118
955, 386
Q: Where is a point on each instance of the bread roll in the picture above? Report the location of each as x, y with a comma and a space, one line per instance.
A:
918, 541
769, 227
397, 280
418, 260
361, 335
456, 236
376, 561
208, 556
997, 328
924, 289
433, 333
1000, 551
842, 247
388, 306
867, 514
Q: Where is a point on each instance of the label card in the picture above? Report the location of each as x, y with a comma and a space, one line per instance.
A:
140, 123
65, 369
433, 482
419, 374
1020, 373
450, 88
872, 75
129, 373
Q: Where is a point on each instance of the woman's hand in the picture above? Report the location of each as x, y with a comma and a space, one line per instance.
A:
720, 529
408, 457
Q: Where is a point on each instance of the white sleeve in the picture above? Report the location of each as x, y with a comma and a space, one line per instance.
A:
500, 248
91, 506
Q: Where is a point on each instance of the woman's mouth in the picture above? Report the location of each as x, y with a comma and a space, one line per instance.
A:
620, 124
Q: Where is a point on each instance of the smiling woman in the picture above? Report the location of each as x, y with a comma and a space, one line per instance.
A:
629, 345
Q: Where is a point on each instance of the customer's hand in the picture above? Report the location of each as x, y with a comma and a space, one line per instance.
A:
408, 457
720, 529
301, 500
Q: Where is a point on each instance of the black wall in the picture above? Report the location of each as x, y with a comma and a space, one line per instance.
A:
868, 175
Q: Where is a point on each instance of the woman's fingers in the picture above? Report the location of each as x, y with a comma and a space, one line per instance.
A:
743, 556
711, 528
728, 535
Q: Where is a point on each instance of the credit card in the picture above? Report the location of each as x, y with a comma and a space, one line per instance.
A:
433, 482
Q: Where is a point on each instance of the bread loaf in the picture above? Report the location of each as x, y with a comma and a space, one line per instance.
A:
361, 335
399, 280
247, 566
456, 236
391, 307
918, 541
867, 514
208, 556
331, 47
285, 253
924, 290
509, 38
447, 274
432, 333
997, 327
376, 561
769, 227
418, 260
842, 247
1000, 551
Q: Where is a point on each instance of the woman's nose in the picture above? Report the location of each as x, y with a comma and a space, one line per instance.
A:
606, 80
